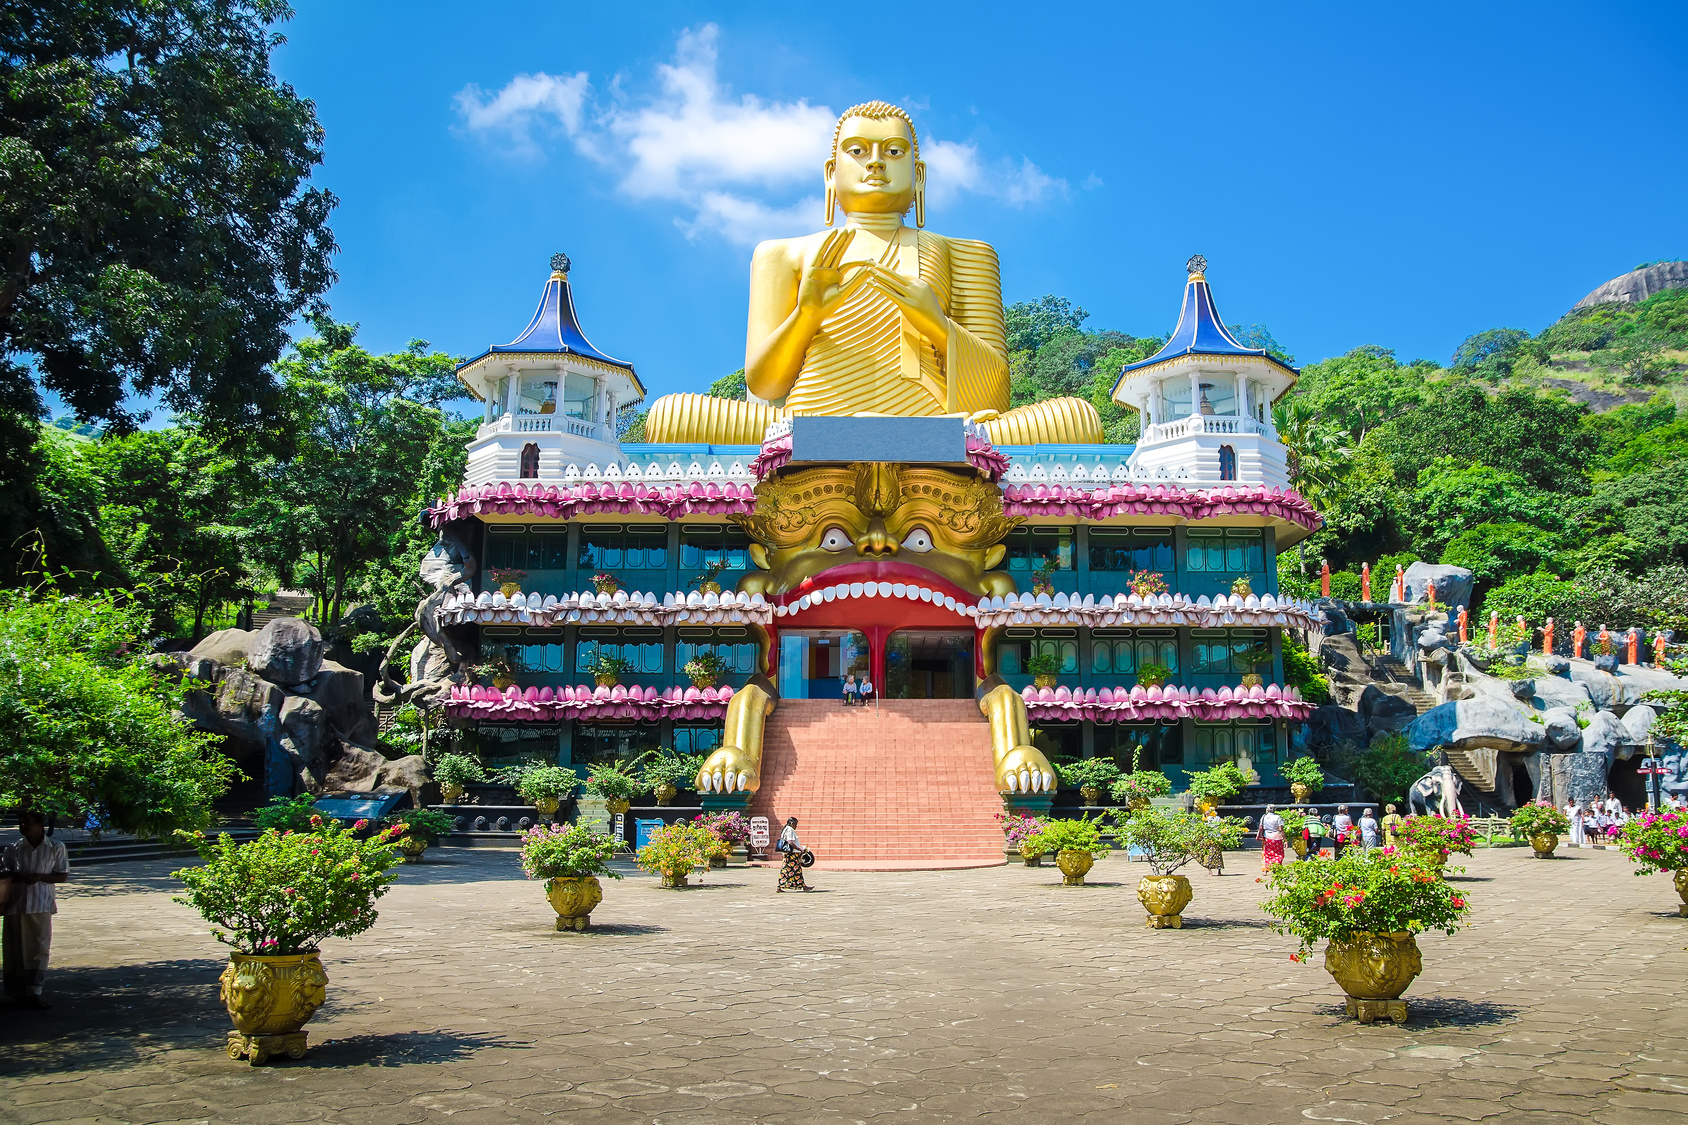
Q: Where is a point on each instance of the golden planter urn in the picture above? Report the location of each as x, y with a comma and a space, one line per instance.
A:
1032, 859
1298, 846
412, 847
1045, 681
1300, 792
1091, 794
509, 589
1138, 803
574, 899
1373, 970
618, 805
709, 588
608, 679
1681, 879
270, 999
666, 792
547, 806
1074, 863
1165, 897
1544, 843
450, 792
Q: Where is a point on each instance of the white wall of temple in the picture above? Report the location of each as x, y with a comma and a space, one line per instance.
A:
1197, 460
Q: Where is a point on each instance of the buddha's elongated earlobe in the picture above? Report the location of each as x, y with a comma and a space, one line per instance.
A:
831, 196
920, 193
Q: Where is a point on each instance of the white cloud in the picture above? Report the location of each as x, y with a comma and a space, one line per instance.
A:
733, 163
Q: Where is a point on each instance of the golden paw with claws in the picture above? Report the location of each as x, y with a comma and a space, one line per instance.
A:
730, 770
1024, 769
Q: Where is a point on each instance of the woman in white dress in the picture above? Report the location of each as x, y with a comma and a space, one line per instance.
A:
1575, 814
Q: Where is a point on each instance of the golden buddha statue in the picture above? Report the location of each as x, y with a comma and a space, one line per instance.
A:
874, 317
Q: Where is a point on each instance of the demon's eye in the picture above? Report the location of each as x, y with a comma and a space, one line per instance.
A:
836, 539
918, 540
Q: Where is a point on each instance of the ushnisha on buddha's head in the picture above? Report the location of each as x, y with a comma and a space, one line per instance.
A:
875, 166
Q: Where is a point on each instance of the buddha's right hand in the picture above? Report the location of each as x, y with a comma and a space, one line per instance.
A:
823, 278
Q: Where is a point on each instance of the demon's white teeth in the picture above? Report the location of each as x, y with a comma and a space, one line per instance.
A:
905, 590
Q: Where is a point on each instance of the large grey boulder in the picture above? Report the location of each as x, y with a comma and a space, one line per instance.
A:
1561, 727
339, 691
1587, 776
1606, 734
1554, 692
1385, 711
1342, 653
355, 770
1637, 285
225, 646
287, 651
1638, 721
1334, 726
409, 773
1452, 583
1478, 722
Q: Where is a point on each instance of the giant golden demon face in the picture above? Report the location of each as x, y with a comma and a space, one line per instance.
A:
877, 520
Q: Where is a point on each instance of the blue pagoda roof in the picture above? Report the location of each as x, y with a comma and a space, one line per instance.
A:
554, 329
1200, 331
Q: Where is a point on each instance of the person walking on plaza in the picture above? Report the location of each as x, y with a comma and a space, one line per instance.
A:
35, 863
1344, 828
1271, 833
1368, 830
791, 871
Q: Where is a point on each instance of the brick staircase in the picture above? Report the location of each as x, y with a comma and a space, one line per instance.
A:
282, 605
897, 785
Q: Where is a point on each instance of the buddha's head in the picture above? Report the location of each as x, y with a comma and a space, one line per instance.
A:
875, 166
931, 528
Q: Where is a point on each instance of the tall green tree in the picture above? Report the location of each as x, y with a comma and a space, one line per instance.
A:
158, 233
365, 426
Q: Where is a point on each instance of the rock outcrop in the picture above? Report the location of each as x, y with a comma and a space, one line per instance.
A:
1637, 285
304, 718
1452, 584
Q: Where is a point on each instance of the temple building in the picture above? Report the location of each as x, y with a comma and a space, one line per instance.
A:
1139, 581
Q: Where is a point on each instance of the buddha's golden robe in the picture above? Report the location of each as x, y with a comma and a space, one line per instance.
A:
867, 358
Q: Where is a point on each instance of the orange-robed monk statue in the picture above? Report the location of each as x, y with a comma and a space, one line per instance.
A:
873, 316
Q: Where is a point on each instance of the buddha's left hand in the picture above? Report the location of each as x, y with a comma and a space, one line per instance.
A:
919, 302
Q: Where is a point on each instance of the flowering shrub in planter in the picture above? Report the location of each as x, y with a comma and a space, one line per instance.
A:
285, 892
1656, 841
706, 669
546, 787
417, 829
567, 851
613, 782
1077, 844
1139, 787
1170, 840
1540, 820
286, 814
1089, 773
1217, 785
606, 583
732, 827
1146, 583
1017, 826
1383, 891
453, 772
675, 851
1436, 835
1305, 772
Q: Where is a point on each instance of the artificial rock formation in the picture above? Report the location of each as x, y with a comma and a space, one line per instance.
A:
298, 720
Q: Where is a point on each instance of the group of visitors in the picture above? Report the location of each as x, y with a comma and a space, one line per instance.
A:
1599, 821
28, 871
1336, 832
857, 693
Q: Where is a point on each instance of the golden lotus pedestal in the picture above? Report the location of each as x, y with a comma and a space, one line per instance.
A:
1165, 897
259, 1049
1074, 865
1373, 970
574, 900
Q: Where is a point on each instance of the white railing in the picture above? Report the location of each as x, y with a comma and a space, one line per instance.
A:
541, 424
1206, 424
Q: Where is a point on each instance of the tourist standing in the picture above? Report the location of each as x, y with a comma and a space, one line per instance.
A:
1574, 814
35, 863
1271, 833
1214, 860
1391, 824
791, 871
1344, 825
1368, 830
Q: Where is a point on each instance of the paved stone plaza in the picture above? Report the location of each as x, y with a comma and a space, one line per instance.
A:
924, 996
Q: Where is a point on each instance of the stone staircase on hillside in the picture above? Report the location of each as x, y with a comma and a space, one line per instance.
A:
895, 785
1475, 765
1403, 682
282, 605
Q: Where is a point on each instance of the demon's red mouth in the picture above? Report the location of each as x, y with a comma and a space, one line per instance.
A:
850, 592
863, 571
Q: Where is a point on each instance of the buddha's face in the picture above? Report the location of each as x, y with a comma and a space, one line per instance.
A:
873, 168
927, 528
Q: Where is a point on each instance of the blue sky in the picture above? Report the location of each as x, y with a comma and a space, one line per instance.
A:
1402, 175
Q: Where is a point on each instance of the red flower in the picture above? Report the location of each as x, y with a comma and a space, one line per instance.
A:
1459, 903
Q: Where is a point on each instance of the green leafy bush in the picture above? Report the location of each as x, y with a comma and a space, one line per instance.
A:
287, 891
1044, 664
1171, 840
613, 781
1302, 671
1089, 773
87, 724
546, 783
427, 824
286, 814
1375, 892
1153, 675
567, 851
664, 765
1219, 784
1386, 768
1140, 785
458, 769
1081, 834
1305, 771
